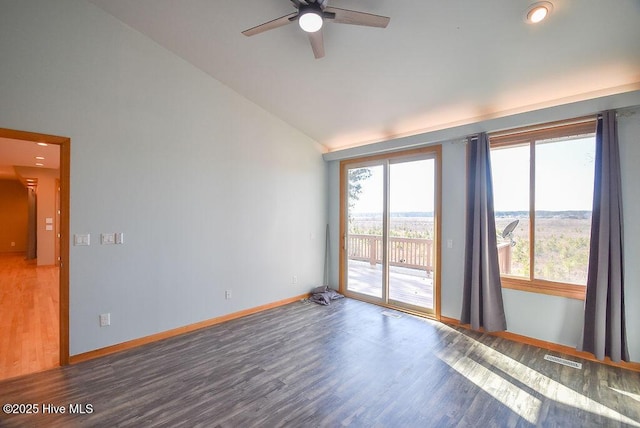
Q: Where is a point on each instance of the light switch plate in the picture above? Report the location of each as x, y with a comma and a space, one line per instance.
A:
107, 239
81, 239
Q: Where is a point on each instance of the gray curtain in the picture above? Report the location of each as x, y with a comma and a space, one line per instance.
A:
32, 233
604, 324
482, 300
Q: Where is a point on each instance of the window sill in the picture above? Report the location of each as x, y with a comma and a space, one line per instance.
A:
545, 287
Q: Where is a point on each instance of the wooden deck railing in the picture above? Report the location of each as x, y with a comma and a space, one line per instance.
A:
406, 252
504, 257
409, 252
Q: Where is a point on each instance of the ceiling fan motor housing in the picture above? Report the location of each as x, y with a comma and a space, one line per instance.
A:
310, 17
311, 14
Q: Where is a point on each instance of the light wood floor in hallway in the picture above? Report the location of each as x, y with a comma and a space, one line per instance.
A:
29, 314
346, 364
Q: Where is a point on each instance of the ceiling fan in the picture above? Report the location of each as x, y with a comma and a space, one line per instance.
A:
311, 14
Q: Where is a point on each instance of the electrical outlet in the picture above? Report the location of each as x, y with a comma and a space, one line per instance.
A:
294, 279
105, 319
227, 294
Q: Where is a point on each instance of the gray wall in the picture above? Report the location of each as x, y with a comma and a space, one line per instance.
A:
554, 319
212, 192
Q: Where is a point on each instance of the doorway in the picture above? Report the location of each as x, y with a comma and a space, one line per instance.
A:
390, 229
57, 271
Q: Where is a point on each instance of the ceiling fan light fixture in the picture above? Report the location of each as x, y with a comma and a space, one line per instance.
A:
538, 12
310, 20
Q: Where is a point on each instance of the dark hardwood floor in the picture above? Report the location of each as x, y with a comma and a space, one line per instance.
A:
347, 364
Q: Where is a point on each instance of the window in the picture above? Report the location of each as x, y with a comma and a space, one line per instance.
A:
543, 197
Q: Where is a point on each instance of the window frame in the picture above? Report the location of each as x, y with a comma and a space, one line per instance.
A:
427, 152
583, 126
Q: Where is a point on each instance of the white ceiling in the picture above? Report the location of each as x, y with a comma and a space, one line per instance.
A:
23, 153
437, 64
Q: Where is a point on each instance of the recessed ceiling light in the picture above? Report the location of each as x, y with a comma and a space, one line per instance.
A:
537, 12
42, 144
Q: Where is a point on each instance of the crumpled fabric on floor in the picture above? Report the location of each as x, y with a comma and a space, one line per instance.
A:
324, 295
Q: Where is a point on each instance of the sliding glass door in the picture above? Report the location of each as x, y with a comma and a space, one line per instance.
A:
365, 229
411, 223
390, 233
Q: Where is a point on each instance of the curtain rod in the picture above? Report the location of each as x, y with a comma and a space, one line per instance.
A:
537, 127
582, 119
540, 126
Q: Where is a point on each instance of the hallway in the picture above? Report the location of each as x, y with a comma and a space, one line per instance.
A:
29, 316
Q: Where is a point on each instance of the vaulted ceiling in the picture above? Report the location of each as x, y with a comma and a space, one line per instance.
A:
437, 64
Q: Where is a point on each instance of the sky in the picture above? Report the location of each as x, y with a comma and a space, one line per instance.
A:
564, 180
411, 188
564, 176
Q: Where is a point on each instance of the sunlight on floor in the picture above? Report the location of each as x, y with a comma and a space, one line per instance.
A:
511, 395
518, 400
628, 394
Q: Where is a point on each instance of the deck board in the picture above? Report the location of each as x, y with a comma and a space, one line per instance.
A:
406, 285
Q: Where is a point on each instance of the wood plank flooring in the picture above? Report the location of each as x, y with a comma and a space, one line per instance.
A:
347, 364
29, 316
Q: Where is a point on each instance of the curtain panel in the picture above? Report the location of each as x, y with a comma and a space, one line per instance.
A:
482, 299
604, 332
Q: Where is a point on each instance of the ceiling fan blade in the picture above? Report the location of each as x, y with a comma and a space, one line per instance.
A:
317, 43
278, 22
344, 16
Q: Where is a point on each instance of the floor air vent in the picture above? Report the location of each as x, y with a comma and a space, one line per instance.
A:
391, 314
563, 361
